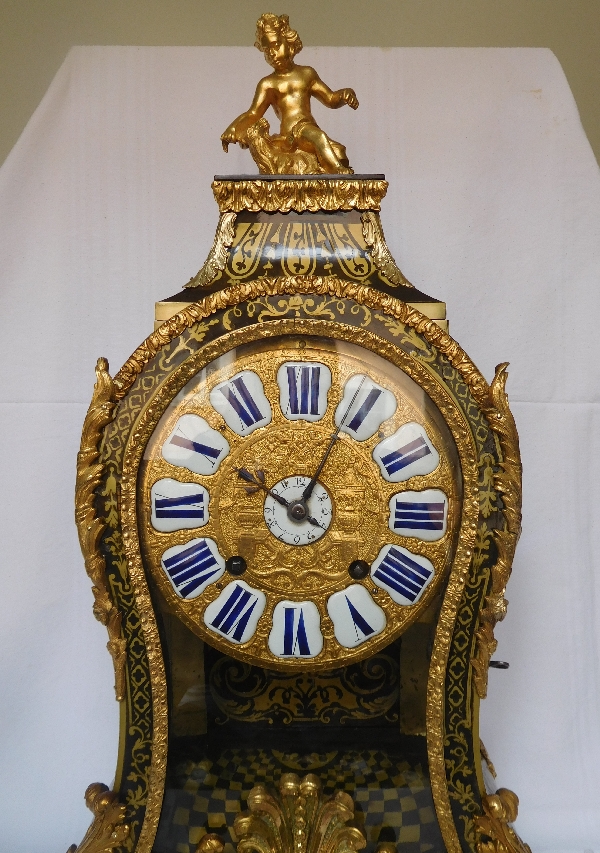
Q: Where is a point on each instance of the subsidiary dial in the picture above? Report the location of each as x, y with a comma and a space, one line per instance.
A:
298, 522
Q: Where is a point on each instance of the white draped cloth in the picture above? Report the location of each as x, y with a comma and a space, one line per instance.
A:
493, 207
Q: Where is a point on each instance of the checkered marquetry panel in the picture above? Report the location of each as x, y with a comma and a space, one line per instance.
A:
392, 796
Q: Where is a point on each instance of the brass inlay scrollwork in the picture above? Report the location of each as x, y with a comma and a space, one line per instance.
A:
507, 481
108, 829
298, 820
496, 834
316, 309
320, 245
217, 257
363, 691
310, 194
313, 285
373, 234
89, 526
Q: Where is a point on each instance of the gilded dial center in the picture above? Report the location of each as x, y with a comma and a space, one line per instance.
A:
348, 507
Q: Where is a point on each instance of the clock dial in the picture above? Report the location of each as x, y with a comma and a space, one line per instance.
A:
404, 575
316, 456
364, 407
355, 616
234, 614
242, 402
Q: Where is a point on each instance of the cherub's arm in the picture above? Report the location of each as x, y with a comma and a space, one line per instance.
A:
323, 93
236, 130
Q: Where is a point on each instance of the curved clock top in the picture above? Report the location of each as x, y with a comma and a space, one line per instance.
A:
298, 502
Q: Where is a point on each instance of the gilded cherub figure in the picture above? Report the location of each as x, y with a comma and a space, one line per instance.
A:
301, 147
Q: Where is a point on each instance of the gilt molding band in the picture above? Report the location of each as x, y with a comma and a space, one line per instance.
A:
508, 482
90, 527
299, 195
108, 829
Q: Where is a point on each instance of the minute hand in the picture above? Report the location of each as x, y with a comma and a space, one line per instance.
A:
334, 437
309, 489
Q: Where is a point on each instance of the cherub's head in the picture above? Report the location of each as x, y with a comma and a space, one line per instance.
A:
277, 40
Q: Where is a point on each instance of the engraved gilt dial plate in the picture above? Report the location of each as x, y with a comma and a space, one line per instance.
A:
299, 499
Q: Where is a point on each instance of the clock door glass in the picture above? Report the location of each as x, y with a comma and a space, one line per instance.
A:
357, 728
275, 474
298, 510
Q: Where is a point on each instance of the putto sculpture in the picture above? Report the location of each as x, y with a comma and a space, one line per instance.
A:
300, 147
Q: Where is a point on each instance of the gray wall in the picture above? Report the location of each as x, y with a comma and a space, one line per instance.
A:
35, 36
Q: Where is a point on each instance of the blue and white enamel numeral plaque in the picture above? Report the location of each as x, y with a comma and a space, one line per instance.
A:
419, 514
403, 574
406, 453
242, 402
303, 388
364, 407
195, 445
235, 613
178, 506
355, 616
296, 630
193, 566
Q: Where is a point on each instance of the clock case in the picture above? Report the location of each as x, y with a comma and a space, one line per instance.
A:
297, 255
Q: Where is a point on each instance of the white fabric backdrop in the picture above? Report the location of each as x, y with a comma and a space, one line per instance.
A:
493, 206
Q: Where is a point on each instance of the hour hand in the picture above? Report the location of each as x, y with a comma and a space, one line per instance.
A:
257, 481
249, 477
